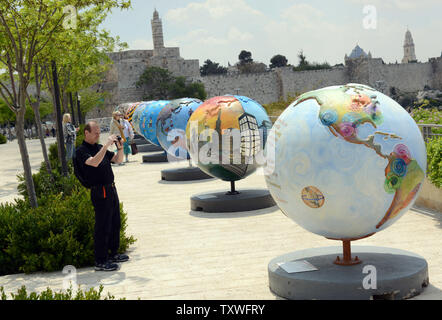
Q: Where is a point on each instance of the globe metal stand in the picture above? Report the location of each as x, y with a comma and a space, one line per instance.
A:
232, 201
346, 252
232, 189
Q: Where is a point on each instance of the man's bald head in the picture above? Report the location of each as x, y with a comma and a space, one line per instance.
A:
92, 132
90, 125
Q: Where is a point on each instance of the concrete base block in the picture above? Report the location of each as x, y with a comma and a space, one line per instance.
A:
184, 174
246, 200
149, 148
141, 141
155, 157
385, 273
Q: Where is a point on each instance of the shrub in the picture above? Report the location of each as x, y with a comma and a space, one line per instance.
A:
80, 135
57, 233
434, 159
2, 139
276, 108
48, 294
428, 116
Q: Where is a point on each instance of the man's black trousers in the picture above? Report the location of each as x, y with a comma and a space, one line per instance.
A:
107, 221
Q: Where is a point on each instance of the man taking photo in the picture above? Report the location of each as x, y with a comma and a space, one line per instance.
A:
92, 165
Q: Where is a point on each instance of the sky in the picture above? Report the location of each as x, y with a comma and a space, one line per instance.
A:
324, 30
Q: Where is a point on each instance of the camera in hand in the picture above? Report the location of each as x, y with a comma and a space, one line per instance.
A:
119, 141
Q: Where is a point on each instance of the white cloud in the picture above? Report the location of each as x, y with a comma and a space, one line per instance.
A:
398, 4
213, 9
220, 29
236, 35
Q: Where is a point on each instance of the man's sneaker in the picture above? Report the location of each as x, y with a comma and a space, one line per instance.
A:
119, 258
108, 266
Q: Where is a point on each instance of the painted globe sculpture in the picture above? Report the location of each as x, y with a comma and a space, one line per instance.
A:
348, 161
145, 117
226, 135
130, 110
136, 116
171, 125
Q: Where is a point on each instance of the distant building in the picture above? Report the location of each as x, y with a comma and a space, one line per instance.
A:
409, 55
357, 53
120, 81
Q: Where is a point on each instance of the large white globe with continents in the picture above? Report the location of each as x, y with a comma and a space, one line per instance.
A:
349, 161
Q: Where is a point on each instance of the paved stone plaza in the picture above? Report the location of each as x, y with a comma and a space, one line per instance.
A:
180, 254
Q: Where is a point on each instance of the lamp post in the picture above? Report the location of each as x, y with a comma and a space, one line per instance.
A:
80, 117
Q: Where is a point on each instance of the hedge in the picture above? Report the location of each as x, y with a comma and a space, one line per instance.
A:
57, 233
434, 160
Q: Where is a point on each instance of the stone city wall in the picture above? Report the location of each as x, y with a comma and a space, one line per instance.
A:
272, 85
262, 87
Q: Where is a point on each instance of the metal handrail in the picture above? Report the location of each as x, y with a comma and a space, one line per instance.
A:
426, 131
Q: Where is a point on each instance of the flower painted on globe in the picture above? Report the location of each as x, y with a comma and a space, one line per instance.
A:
402, 152
328, 117
347, 129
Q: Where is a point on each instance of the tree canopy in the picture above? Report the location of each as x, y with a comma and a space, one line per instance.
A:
278, 61
159, 83
34, 32
305, 65
210, 68
245, 57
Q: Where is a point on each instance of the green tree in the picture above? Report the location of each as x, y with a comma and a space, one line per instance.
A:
159, 83
210, 68
245, 57
156, 83
305, 65
278, 61
26, 28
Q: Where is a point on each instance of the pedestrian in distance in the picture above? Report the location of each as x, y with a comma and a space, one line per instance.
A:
128, 135
117, 127
69, 134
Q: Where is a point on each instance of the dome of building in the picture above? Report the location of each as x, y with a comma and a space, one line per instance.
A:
357, 53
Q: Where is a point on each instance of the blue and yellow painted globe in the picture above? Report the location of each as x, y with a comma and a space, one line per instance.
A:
171, 125
145, 117
226, 136
348, 161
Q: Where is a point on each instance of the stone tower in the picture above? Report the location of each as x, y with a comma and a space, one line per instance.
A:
409, 55
157, 31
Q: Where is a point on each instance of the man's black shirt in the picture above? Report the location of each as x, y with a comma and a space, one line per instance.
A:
95, 176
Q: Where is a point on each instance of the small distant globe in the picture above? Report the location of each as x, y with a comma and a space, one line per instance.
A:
145, 117
209, 131
348, 161
171, 125
136, 116
130, 110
